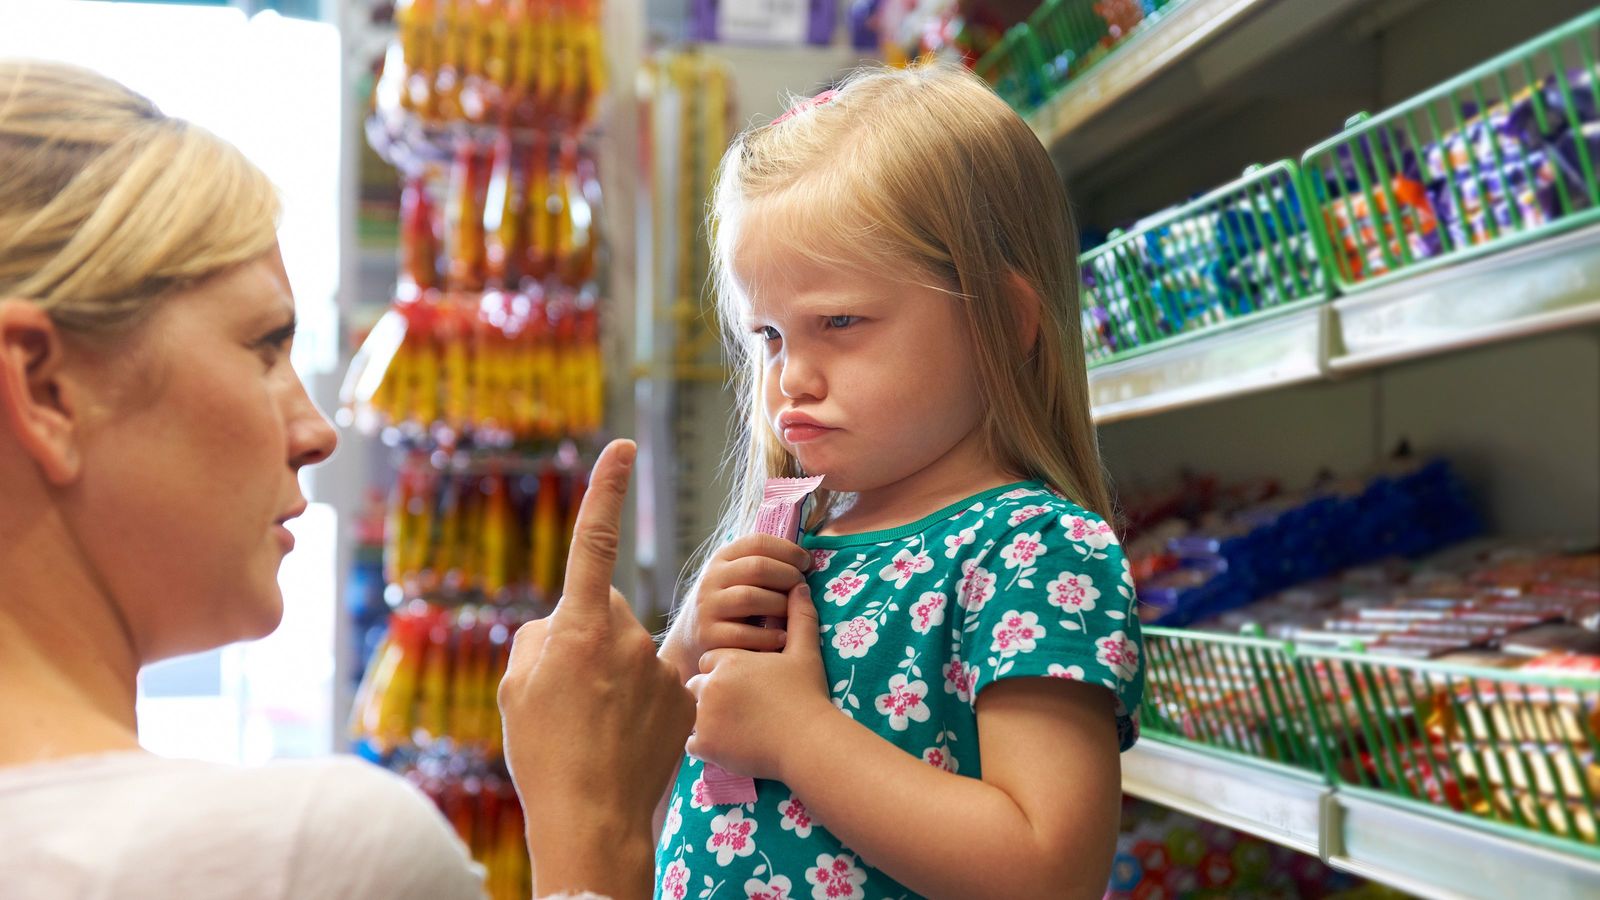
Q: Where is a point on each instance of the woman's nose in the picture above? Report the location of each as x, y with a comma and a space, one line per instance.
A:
312, 438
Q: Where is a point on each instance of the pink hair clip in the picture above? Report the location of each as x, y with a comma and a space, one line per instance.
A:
809, 103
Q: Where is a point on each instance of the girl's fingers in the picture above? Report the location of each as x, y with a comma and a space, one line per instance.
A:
739, 636
762, 572
774, 548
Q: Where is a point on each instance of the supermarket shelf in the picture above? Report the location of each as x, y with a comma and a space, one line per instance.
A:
1544, 286
1378, 838
1279, 351
1425, 855
1204, 42
1276, 805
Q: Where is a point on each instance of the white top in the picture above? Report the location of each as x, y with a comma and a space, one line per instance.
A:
135, 825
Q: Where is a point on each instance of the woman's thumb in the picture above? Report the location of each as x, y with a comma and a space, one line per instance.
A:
802, 624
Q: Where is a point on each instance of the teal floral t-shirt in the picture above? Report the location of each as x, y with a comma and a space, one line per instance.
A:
916, 621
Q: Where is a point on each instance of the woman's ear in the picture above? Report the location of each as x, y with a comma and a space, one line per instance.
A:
35, 403
1027, 301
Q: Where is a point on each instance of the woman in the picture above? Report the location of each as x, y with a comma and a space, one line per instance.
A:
151, 429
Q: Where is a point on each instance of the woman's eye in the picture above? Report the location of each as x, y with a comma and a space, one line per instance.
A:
842, 321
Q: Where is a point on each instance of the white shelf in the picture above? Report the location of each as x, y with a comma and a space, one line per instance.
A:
1276, 352
1284, 808
1430, 857
1549, 285
1195, 47
1354, 831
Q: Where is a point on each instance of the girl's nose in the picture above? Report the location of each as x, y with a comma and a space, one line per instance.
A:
799, 377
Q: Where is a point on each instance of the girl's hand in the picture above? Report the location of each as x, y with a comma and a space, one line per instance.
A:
749, 703
751, 576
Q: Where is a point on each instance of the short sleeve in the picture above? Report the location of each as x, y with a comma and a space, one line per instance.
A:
1051, 595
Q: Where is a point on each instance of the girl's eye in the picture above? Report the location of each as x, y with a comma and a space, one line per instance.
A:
842, 321
768, 333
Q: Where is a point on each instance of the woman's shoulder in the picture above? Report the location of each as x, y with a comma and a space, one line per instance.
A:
290, 828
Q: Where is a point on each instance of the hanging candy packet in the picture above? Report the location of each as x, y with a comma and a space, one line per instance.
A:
779, 515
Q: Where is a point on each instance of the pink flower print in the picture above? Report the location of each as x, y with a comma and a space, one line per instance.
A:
1073, 593
776, 889
854, 638
669, 828
796, 817
1094, 532
1016, 632
1022, 550
675, 880
731, 836
1118, 654
939, 757
697, 795
1018, 493
1025, 513
976, 586
959, 679
904, 565
955, 542
836, 878
820, 559
927, 612
903, 703
1070, 673
844, 586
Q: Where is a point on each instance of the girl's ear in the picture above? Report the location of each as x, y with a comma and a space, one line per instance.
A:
1027, 302
35, 403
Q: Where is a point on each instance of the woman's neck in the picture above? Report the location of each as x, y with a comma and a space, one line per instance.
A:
68, 670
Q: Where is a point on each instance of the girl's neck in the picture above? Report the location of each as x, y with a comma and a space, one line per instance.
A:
68, 670
964, 471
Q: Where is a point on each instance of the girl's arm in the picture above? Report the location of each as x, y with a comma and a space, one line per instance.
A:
1042, 821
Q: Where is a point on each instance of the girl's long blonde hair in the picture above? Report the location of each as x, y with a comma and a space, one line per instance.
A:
107, 204
926, 171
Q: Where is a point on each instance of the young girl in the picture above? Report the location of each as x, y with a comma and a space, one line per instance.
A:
961, 662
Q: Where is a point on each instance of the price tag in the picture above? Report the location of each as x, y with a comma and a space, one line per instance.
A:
764, 21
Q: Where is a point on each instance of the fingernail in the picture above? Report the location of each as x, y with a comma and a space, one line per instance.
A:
783, 639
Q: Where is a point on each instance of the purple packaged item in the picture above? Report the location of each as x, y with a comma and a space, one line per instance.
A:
707, 24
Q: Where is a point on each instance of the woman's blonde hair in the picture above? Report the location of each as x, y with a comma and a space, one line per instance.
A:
106, 204
925, 171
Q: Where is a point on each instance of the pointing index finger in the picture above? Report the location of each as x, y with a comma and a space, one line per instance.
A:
596, 533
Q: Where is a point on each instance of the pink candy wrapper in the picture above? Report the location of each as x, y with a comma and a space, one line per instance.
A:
778, 516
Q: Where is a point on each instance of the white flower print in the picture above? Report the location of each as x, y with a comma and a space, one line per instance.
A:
1023, 550
1025, 513
836, 878
697, 795
1071, 673
976, 586
959, 679
955, 542
1018, 493
731, 836
939, 757
820, 560
928, 612
903, 703
854, 638
905, 565
1127, 573
1016, 633
776, 889
1073, 593
796, 817
674, 821
1118, 654
844, 586
1094, 532
675, 880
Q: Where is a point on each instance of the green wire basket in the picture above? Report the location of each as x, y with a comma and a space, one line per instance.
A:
1512, 750
1238, 696
1496, 157
1244, 250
